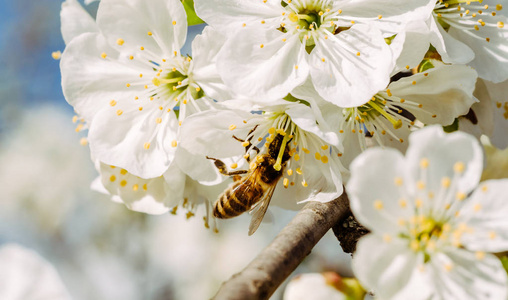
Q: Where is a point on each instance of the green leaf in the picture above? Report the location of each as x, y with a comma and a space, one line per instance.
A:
504, 261
192, 18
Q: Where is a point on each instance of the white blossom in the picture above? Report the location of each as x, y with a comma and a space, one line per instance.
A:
273, 46
432, 224
132, 86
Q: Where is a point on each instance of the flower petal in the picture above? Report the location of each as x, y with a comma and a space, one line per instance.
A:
90, 82
160, 27
205, 48
499, 103
442, 151
348, 68
390, 268
262, 63
450, 49
485, 212
378, 202
442, 99
228, 16
125, 137
459, 274
75, 20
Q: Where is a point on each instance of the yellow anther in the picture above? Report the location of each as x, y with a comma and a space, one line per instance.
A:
324, 147
233, 166
500, 24
112, 178
263, 22
290, 172
485, 188
145, 187
174, 22
146, 146
398, 181
123, 182
104, 55
299, 171
424, 163
128, 85
285, 182
261, 46
317, 155
232, 127
306, 150
174, 143
243, 25
460, 196
499, 6
388, 92
123, 171
402, 203
74, 119
420, 185
112, 102
149, 33
135, 187
296, 157
304, 183
83, 141
119, 112
477, 207
387, 238
120, 42
141, 48
357, 53
140, 108
296, 67
402, 100
445, 182
131, 57
378, 204
448, 267
158, 120
459, 167
56, 55
245, 144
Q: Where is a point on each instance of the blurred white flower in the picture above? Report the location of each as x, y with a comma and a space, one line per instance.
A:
431, 226
323, 286
273, 46
75, 20
132, 86
25, 275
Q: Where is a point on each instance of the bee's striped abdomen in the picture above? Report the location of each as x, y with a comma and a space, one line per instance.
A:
237, 200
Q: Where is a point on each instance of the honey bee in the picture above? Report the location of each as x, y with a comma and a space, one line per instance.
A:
253, 191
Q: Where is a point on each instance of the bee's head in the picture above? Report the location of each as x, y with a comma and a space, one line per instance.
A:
276, 145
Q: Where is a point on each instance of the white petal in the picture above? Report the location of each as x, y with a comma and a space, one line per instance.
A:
134, 140
443, 98
259, 63
75, 20
389, 268
198, 167
138, 18
480, 121
205, 48
26, 275
228, 16
376, 200
303, 116
411, 45
443, 151
491, 58
485, 211
459, 274
151, 196
450, 49
345, 78
315, 286
90, 82
499, 136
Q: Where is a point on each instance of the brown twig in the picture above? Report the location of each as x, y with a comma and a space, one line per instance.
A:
274, 264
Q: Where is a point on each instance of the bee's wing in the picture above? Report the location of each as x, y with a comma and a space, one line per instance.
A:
259, 210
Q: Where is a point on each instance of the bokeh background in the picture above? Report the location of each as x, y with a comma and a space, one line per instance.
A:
101, 249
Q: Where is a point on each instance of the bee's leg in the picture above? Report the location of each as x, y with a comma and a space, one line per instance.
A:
221, 166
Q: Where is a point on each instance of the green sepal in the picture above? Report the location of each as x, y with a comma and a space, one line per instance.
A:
452, 127
292, 98
192, 18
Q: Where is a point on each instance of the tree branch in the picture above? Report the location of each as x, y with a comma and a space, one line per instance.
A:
272, 266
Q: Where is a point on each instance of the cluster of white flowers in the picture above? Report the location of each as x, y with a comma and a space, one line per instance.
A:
283, 96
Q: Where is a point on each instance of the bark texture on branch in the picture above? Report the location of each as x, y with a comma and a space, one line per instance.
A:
272, 266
